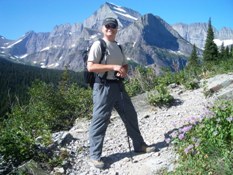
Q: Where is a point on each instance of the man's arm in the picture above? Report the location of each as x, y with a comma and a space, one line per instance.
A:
98, 68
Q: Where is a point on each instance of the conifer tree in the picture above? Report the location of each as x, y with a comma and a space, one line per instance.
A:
64, 82
211, 50
231, 52
222, 51
193, 60
227, 53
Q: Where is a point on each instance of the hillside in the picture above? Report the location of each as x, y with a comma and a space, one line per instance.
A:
15, 78
156, 125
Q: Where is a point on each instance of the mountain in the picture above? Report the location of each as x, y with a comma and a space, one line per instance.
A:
196, 34
147, 40
3, 41
124, 15
152, 41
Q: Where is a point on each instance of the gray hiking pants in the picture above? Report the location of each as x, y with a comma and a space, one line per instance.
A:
106, 97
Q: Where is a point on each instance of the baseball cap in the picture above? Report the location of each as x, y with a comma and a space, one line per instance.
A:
110, 21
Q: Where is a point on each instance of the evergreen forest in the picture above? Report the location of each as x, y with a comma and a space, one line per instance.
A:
16, 78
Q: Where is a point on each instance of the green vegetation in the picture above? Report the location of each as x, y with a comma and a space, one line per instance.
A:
50, 100
15, 79
205, 145
211, 50
50, 108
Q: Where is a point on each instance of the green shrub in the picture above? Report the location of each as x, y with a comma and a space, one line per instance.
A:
133, 87
161, 97
59, 107
18, 133
141, 80
79, 101
49, 110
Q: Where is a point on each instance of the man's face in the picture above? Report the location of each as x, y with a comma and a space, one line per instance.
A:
109, 30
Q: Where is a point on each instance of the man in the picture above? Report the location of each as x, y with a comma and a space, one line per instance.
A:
109, 93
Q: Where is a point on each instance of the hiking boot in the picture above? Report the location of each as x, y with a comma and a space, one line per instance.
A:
98, 163
147, 149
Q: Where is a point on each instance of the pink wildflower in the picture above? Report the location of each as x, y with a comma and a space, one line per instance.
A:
186, 150
181, 136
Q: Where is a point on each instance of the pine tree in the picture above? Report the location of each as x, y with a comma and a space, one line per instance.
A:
193, 60
227, 53
222, 51
211, 50
64, 82
231, 52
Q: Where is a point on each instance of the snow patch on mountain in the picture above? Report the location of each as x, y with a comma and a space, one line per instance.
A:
44, 49
11, 45
53, 65
126, 15
24, 56
219, 42
121, 11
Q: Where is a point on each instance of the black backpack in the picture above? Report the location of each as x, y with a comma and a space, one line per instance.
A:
89, 77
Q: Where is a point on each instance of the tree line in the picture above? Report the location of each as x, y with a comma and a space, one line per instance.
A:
15, 79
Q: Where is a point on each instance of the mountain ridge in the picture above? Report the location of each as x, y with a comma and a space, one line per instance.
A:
196, 33
63, 45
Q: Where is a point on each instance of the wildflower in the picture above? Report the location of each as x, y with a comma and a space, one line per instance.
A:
174, 134
186, 150
181, 136
229, 119
195, 139
215, 133
209, 114
186, 128
193, 120
201, 117
167, 140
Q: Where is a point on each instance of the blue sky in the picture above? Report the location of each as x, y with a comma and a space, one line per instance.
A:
20, 16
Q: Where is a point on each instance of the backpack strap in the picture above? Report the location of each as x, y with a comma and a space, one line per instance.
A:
120, 47
103, 46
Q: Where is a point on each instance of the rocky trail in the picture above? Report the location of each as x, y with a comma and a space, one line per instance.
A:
155, 124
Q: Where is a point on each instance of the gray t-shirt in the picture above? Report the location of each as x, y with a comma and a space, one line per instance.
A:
114, 56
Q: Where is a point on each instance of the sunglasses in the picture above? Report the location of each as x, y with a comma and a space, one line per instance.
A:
112, 26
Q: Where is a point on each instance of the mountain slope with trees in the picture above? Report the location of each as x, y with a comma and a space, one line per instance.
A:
15, 79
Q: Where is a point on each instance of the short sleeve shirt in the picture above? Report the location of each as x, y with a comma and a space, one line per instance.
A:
114, 55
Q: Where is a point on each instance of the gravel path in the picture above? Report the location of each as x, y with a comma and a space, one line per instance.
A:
155, 124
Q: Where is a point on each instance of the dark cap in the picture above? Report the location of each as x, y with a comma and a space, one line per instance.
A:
110, 20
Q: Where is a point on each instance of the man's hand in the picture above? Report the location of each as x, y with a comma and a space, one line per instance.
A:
121, 71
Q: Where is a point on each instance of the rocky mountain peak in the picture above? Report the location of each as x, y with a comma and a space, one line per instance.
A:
196, 33
158, 33
124, 15
225, 34
3, 41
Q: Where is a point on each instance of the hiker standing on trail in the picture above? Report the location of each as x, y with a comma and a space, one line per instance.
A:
109, 93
